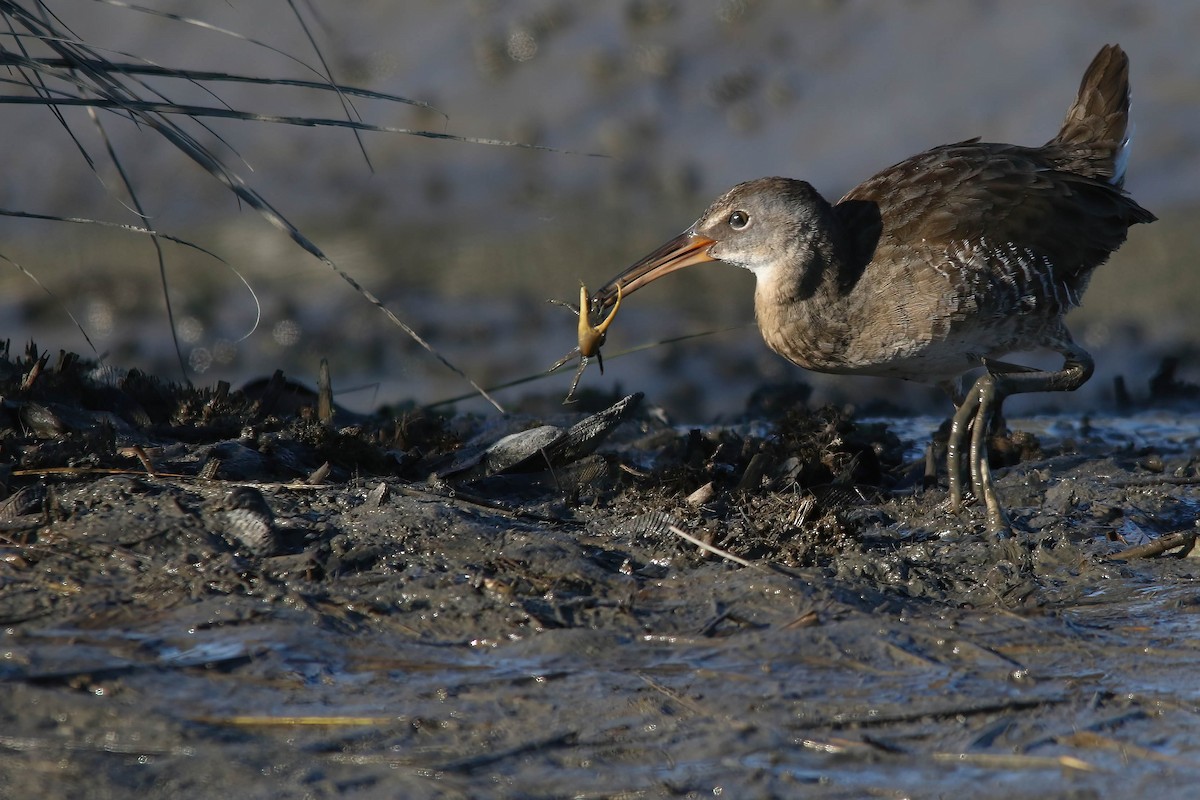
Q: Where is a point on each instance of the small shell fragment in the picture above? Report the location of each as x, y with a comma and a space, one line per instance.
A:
541, 447
248, 522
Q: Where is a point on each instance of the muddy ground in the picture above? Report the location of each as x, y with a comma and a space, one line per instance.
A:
214, 593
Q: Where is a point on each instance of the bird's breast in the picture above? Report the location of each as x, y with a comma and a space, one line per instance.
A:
926, 317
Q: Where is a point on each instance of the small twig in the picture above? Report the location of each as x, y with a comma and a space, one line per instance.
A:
82, 472
537, 376
1012, 761
687, 702
871, 719
324, 394
710, 548
1091, 739
195, 75
34, 373
247, 720
1184, 539
805, 620
1156, 480
319, 475
139, 452
456, 495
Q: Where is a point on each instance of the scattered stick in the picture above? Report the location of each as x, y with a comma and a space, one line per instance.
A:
252, 721
140, 453
324, 394
875, 720
1170, 541
725, 554
1156, 480
1012, 761
319, 475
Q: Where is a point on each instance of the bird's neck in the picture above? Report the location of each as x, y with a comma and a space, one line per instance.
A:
815, 264
802, 305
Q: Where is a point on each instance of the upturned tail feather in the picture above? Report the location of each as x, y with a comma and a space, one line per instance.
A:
1094, 138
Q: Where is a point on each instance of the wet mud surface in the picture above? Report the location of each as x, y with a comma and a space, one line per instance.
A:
213, 592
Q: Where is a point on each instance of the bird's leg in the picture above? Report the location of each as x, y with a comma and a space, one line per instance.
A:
959, 426
988, 389
983, 401
953, 390
1007, 368
972, 417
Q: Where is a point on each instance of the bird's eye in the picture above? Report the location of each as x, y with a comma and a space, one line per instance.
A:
739, 220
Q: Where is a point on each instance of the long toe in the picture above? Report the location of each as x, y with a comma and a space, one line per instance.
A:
997, 520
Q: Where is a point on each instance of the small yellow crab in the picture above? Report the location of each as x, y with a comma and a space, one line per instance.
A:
591, 337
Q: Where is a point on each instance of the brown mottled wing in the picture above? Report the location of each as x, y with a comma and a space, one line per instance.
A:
1011, 196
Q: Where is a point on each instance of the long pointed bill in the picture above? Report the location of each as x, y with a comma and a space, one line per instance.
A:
684, 250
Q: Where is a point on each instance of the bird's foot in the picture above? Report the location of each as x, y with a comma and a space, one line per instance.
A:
972, 420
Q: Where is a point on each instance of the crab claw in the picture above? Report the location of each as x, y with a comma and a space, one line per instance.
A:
591, 338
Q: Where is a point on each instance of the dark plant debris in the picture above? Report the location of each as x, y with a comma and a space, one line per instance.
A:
407, 543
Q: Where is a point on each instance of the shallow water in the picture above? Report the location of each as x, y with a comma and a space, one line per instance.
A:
1150, 429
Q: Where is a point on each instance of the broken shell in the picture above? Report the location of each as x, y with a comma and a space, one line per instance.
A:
517, 448
542, 447
248, 522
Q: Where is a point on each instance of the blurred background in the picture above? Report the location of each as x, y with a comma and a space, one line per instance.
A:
466, 242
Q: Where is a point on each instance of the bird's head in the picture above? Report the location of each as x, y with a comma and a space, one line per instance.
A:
761, 225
